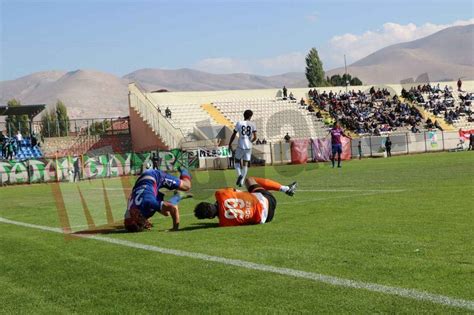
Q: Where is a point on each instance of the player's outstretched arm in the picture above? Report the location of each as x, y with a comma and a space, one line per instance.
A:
168, 209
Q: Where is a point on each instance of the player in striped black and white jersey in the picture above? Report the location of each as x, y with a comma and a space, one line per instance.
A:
247, 135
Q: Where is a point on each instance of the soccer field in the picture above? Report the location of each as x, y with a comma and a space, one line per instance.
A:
378, 235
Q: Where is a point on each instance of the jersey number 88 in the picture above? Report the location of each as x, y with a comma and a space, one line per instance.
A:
246, 131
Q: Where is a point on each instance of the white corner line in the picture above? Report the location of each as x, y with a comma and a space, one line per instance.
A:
331, 280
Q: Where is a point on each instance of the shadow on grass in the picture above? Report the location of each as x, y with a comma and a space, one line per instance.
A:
104, 229
199, 226
119, 229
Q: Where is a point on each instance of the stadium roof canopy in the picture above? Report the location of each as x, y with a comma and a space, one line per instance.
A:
30, 110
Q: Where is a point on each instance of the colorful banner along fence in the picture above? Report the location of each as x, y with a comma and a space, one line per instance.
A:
219, 152
299, 151
322, 149
465, 134
89, 167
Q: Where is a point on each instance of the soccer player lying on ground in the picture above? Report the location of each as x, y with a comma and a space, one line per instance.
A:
146, 199
234, 207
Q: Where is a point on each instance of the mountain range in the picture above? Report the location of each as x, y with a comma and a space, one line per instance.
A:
445, 55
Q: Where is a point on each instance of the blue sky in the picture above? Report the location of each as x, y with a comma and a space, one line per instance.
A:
263, 37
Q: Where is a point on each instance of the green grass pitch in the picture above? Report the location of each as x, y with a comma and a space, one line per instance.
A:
404, 222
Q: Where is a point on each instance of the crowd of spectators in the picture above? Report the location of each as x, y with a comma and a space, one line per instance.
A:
9, 147
441, 102
372, 113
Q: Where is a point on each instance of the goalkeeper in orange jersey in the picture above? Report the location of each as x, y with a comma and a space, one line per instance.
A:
255, 206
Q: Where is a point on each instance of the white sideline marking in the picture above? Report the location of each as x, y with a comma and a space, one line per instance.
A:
353, 190
347, 283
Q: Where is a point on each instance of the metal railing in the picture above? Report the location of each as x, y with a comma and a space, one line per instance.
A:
170, 135
66, 128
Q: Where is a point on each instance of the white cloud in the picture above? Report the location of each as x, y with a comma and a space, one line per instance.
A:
357, 46
291, 62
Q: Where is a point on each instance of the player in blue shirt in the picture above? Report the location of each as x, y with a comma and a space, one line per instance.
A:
146, 199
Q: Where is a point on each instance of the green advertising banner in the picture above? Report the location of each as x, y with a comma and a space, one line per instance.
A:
89, 166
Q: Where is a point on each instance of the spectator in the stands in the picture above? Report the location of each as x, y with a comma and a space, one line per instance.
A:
388, 146
9, 150
471, 141
3, 141
156, 161
287, 137
437, 126
459, 85
34, 139
258, 141
414, 129
18, 136
359, 149
168, 112
302, 102
292, 97
285, 92
264, 141
429, 123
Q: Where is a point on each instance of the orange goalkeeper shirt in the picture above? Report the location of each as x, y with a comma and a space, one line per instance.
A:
241, 208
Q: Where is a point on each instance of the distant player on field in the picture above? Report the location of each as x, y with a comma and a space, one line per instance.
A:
146, 199
247, 135
336, 133
234, 207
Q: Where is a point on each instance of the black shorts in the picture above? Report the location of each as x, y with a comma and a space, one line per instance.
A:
272, 203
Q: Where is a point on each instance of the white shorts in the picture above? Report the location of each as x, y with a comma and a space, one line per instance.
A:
243, 154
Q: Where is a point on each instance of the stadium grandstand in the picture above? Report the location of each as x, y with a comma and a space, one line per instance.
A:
167, 120
364, 110
15, 145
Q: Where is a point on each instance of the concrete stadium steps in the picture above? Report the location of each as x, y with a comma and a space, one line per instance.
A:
274, 118
188, 116
218, 117
143, 135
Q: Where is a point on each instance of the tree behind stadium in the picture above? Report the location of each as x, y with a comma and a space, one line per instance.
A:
55, 121
338, 80
17, 122
314, 69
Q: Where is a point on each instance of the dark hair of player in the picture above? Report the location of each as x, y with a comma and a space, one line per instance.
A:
248, 114
135, 227
138, 224
205, 210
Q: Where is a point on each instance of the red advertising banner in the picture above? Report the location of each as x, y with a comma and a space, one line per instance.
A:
346, 148
464, 134
299, 151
